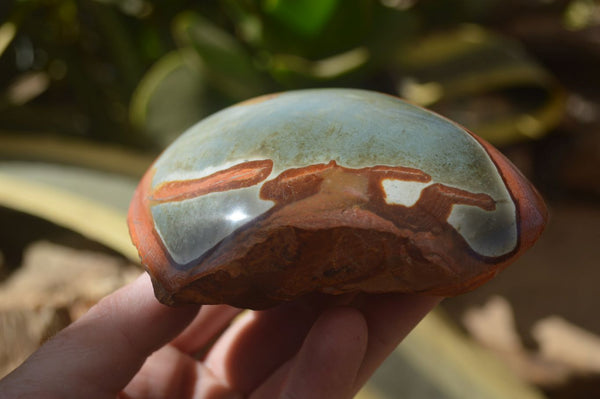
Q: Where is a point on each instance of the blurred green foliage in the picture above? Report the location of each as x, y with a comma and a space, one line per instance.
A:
138, 72
84, 84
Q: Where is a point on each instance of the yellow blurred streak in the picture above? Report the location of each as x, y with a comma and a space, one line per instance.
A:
327, 68
368, 393
7, 34
94, 220
84, 153
27, 87
458, 366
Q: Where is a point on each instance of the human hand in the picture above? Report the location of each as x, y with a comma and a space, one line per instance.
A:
131, 346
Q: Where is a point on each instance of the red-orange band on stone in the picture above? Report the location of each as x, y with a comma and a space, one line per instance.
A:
245, 174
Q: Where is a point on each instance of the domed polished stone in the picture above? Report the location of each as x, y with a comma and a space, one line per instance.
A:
333, 191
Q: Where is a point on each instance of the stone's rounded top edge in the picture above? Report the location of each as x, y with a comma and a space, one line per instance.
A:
348, 92
257, 100
338, 113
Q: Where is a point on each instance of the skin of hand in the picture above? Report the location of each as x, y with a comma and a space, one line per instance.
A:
131, 346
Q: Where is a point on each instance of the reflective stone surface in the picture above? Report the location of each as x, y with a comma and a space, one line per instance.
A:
330, 190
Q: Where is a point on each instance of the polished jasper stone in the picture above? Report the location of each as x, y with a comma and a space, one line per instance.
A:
333, 191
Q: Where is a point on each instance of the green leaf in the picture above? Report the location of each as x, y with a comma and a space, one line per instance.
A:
305, 17
171, 97
484, 81
230, 68
346, 28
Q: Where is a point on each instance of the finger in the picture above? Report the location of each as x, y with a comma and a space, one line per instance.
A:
328, 361
100, 353
210, 321
390, 317
169, 373
166, 373
257, 343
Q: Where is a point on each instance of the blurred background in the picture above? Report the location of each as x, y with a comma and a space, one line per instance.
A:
92, 90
